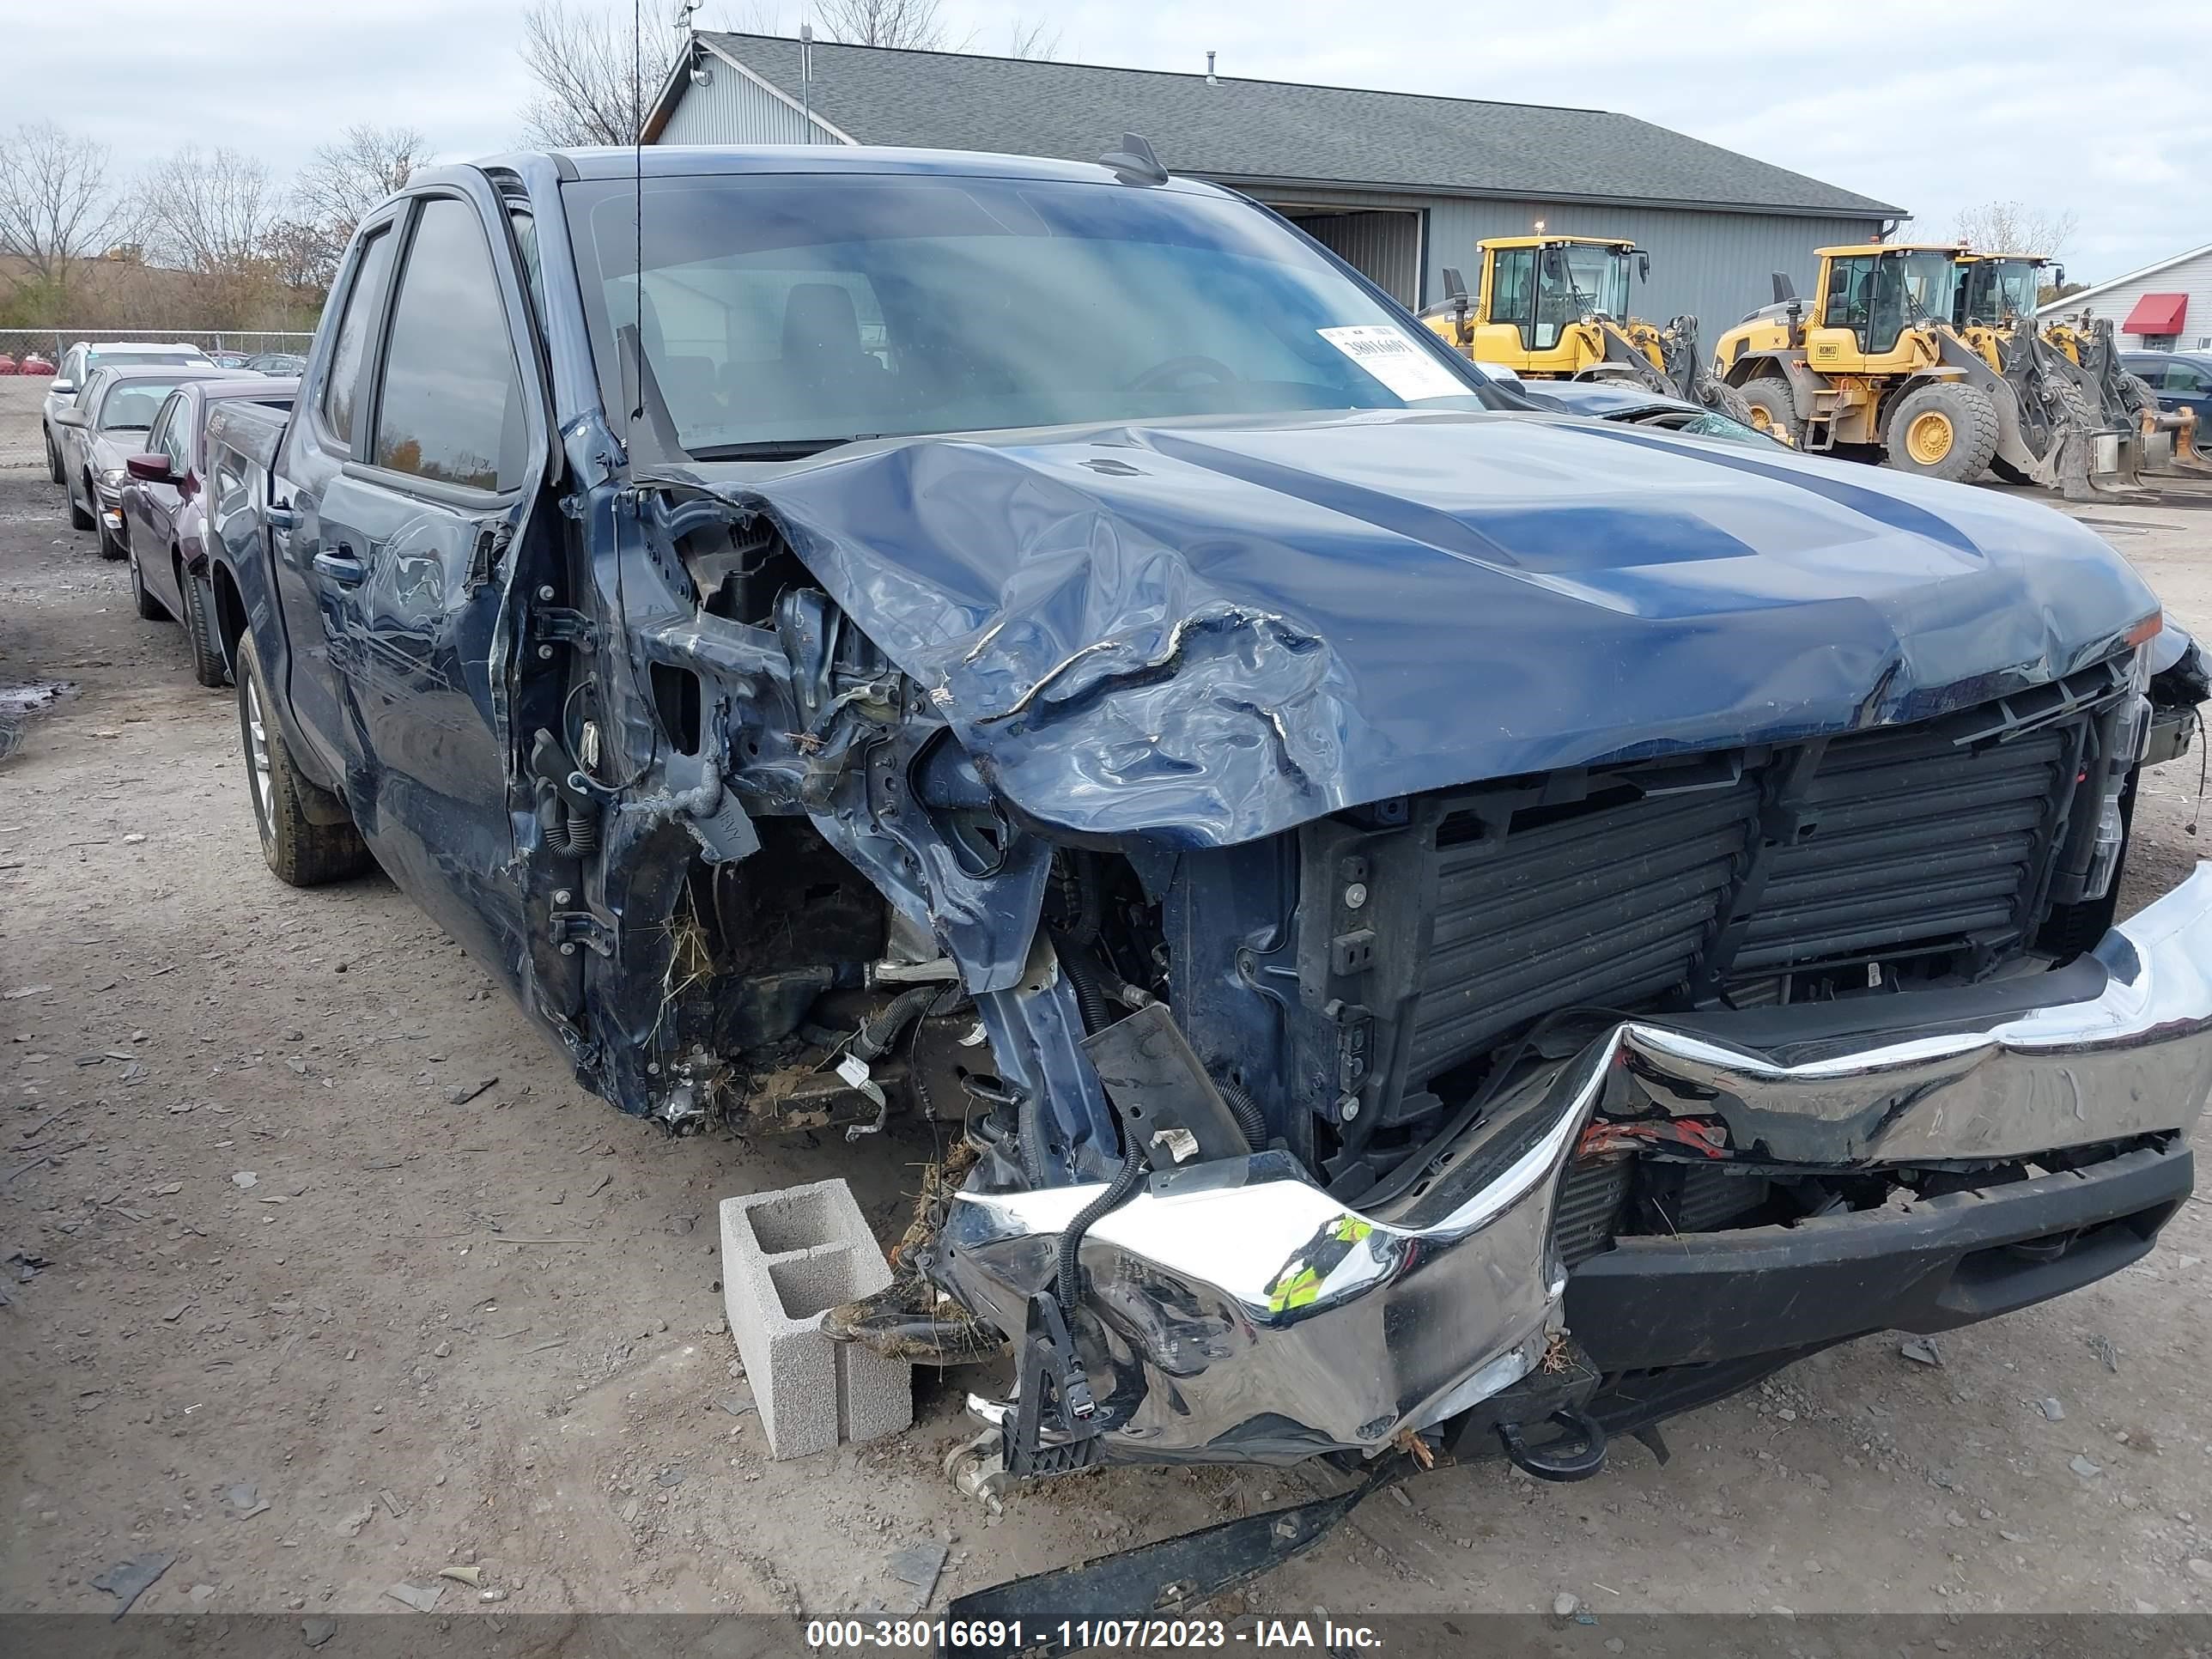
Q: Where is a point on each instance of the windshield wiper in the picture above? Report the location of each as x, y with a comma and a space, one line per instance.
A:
772, 449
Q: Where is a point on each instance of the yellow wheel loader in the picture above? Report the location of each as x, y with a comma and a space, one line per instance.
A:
1884, 365
1997, 296
1556, 308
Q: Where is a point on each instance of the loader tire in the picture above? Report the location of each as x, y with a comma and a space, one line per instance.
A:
2137, 395
1724, 400
1770, 409
1946, 430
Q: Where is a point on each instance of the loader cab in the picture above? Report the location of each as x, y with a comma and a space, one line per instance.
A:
1536, 288
1998, 290
1875, 302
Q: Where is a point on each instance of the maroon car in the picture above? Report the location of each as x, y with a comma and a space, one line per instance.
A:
164, 501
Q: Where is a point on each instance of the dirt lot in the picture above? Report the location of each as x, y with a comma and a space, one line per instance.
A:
316, 1331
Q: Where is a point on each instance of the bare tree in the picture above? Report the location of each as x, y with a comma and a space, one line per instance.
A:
596, 77
209, 211
1036, 40
916, 25
55, 205
2014, 227
352, 175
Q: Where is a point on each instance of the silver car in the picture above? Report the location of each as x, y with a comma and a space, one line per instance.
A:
77, 366
103, 425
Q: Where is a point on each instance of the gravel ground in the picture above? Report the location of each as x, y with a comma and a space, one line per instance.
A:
315, 1331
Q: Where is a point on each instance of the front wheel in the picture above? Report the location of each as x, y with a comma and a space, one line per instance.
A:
207, 661
300, 851
150, 608
1770, 407
1943, 430
80, 517
54, 461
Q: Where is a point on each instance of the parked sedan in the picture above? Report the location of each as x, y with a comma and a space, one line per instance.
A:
164, 505
2182, 379
106, 424
280, 363
77, 366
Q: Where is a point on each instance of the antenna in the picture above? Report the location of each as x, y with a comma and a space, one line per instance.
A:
1134, 163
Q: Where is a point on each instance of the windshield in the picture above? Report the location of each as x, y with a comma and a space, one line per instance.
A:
783, 312
1999, 289
1926, 280
1598, 278
130, 405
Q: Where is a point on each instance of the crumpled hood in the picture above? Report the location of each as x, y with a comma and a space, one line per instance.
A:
1213, 631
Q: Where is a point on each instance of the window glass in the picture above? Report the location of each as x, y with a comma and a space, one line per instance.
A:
341, 389
177, 441
131, 405
1515, 300
2184, 377
777, 311
451, 403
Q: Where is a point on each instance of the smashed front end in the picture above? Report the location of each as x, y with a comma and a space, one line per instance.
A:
1354, 1046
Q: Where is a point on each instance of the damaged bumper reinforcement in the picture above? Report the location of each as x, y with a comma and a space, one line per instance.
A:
1246, 1315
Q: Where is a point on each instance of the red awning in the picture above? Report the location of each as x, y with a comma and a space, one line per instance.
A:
2157, 313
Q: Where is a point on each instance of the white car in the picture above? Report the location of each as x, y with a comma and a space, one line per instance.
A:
77, 366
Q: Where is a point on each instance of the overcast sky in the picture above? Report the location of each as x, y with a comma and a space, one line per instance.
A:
2104, 111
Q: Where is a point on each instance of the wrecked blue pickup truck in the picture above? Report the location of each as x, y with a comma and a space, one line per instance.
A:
1442, 927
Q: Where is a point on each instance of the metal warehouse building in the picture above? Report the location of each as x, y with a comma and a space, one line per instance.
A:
1401, 185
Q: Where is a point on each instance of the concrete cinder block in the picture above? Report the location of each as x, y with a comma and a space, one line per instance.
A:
789, 1257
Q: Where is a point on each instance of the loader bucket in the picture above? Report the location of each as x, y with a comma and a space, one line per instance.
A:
2169, 444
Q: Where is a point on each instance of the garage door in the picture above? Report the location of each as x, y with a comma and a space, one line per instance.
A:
1384, 246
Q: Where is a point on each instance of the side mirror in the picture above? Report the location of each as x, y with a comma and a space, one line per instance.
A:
61, 387
71, 417
150, 469
1643, 267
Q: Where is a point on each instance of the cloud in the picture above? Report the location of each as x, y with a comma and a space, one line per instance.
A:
1937, 107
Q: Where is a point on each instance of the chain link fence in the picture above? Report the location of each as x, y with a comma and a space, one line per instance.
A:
51, 343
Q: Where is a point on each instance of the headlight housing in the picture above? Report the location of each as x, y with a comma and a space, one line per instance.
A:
113, 476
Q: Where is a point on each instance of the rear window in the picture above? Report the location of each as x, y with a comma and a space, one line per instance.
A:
145, 359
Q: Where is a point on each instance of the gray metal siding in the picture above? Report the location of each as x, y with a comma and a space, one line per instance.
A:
733, 110
1716, 266
1385, 246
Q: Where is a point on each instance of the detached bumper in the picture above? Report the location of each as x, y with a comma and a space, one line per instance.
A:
1248, 1317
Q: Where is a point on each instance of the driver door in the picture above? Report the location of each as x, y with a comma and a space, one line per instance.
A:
413, 532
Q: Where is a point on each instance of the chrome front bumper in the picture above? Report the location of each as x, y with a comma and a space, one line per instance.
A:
1250, 1317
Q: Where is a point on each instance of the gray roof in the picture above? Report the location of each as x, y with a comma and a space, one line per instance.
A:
1276, 131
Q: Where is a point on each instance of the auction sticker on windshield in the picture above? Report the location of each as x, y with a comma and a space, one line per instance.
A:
1394, 358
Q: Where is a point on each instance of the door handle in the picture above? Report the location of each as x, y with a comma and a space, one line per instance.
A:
342, 566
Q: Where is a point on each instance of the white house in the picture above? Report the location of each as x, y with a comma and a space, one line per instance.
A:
2166, 306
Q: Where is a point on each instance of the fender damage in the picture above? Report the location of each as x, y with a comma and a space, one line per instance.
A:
945, 756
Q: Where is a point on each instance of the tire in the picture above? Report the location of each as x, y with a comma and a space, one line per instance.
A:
1724, 400
300, 851
53, 459
80, 517
150, 608
110, 548
207, 662
1944, 430
2136, 394
1770, 409
2006, 472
